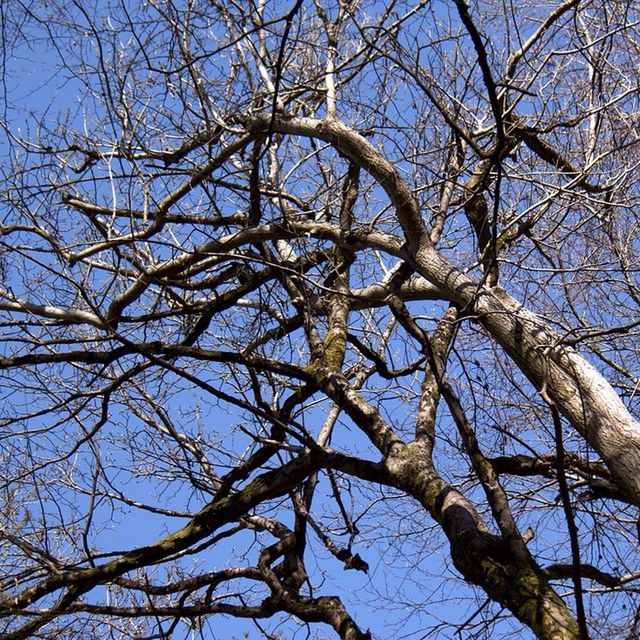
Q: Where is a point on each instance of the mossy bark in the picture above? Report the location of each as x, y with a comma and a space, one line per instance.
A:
483, 559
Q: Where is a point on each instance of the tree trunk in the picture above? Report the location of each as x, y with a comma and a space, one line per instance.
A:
564, 377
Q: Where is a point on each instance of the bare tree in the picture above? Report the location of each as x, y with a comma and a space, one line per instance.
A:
318, 314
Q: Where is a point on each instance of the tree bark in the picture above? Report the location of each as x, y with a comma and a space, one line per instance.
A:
564, 377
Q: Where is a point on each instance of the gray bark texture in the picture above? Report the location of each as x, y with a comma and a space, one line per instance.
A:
563, 377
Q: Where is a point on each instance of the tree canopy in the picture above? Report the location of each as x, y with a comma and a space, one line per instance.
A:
320, 319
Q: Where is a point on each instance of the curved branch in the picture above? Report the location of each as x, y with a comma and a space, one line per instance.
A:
579, 391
